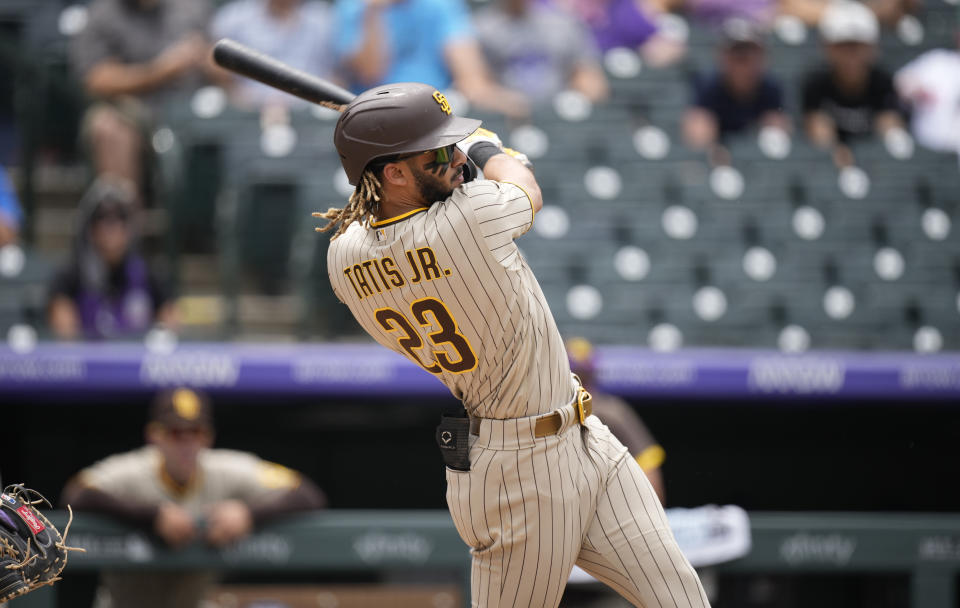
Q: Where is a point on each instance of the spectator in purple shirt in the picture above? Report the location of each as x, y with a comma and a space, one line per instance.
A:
107, 290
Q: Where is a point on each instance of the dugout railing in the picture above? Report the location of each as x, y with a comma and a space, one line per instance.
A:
925, 546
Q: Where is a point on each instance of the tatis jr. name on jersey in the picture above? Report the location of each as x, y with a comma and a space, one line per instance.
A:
378, 275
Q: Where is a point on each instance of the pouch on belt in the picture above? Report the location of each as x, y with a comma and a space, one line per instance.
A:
453, 437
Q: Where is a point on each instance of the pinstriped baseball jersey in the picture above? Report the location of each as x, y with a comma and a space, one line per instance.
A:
446, 287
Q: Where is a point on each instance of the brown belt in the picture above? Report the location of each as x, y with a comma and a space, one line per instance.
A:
550, 424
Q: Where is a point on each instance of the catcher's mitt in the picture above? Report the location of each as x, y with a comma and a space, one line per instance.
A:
32, 552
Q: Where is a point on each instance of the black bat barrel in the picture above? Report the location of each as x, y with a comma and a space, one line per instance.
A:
245, 61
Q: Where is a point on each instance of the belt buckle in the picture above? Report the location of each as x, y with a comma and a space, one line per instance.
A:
582, 397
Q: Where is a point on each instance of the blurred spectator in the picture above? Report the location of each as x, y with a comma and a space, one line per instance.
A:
132, 57
181, 489
617, 414
11, 215
9, 134
850, 97
930, 84
808, 11
715, 12
625, 23
107, 289
741, 94
539, 51
889, 12
428, 41
296, 32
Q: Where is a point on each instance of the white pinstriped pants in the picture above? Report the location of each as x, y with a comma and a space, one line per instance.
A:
530, 508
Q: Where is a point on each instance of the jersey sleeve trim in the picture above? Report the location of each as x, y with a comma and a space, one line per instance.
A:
651, 458
397, 218
533, 212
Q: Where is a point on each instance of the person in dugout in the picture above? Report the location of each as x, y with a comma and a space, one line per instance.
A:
182, 490
619, 417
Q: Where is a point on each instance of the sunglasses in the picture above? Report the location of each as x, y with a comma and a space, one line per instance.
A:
444, 155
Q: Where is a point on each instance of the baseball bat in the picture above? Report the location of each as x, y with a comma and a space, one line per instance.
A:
243, 60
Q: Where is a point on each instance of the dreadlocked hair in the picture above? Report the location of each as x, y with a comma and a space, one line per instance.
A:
362, 206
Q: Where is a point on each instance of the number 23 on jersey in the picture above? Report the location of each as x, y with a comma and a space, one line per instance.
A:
431, 314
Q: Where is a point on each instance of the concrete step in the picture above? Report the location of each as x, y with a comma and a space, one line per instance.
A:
199, 273
270, 315
54, 186
261, 318
56, 226
60, 185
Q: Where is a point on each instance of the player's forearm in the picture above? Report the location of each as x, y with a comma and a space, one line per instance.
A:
504, 168
305, 497
86, 498
112, 79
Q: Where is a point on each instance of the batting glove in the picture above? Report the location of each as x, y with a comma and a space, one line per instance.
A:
520, 156
479, 136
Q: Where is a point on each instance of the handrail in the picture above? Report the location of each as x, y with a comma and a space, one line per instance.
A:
927, 546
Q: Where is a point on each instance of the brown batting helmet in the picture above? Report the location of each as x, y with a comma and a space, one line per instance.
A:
393, 119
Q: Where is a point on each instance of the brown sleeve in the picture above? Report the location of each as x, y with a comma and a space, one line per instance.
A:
305, 497
86, 498
623, 422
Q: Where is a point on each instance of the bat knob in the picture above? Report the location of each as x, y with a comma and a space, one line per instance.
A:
470, 171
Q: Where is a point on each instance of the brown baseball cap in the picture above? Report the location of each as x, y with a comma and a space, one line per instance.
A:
181, 408
394, 119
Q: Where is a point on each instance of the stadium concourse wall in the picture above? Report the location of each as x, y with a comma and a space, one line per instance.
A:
843, 431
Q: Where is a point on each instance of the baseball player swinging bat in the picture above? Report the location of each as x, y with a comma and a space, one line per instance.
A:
428, 266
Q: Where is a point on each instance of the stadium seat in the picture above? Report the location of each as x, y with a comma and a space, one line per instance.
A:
23, 291
631, 212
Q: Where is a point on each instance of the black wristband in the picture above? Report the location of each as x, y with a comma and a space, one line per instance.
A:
481, 152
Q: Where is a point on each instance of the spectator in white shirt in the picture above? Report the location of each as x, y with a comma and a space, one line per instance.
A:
930, 84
